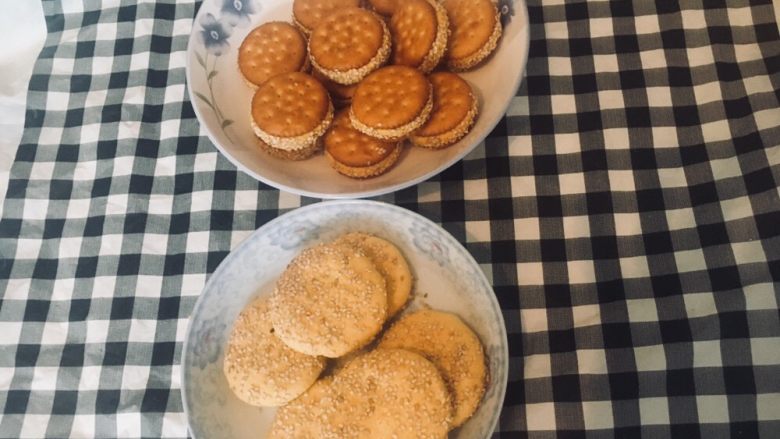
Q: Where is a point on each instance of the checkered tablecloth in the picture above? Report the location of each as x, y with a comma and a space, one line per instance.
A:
626, 209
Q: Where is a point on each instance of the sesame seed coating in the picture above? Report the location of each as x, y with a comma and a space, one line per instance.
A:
387, 393
349, 45
260, 369
329, 301
390, 262
476, 29
420, 29
449, 343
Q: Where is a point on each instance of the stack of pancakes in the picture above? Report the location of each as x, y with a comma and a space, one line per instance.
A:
388, 66
422, 377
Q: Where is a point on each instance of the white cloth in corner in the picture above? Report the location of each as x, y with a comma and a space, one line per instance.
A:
24, 20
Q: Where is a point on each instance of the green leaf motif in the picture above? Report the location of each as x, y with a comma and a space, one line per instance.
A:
200, 60
212, 74
206, 100
226, 123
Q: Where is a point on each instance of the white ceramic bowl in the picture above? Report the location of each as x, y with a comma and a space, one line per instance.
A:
221, 100
446, 278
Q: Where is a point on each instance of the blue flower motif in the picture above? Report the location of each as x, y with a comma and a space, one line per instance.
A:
294, 235
507, 10
426, 241
214, 35
237, 12
208, 339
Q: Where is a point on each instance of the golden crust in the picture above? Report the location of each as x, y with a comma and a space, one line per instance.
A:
391, 102
386, 393
397, 133
420, 30
271, 49
471, 61
366, 171
390, 262
308, 13
354, 75
448, 138
383, 7
302, 141
329, 301
293, 155
454, 112
455, 349
259, 368
353, 148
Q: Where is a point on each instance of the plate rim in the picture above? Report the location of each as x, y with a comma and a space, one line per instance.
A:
319, 205
506, 102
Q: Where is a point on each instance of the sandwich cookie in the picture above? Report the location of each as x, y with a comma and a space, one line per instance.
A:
391, 103
271, 49
475, 27
340, 95
384, 394
330, 301
454, 112
291, 111
453, 347
284, 154
389, 260
260, 369
349, 44
420, 29
307, 13
384, 7
355, 154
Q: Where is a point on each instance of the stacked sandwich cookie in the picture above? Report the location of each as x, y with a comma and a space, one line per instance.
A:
348, 45
387, 63
290, 112
308, 13
392, 103
356, 154
269, 50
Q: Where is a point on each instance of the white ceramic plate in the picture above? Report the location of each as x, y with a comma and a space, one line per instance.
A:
221, 100
447, 278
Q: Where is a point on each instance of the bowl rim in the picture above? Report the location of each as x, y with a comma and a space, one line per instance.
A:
505, 103
502, 386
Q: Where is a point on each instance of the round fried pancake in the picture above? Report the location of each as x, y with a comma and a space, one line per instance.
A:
290, 111
387, 393
453, 347
355, 154
384, 7
454, 112
260, 369
475, 29
419, 29
349, 44
270, 49
389, 260
330, 300
301, 419
391, 102
307, 13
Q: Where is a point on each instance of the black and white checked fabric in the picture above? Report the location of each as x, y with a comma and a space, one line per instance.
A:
627, 210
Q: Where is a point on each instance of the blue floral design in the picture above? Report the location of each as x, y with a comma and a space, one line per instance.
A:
214, 35
209, 340
292, 236
426, 241
237, 12
507, 10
